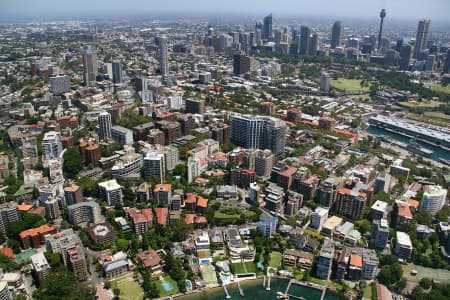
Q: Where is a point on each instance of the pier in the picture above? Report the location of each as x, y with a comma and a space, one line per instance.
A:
268, 284
241, 292
264, 282
227, 295
322, 288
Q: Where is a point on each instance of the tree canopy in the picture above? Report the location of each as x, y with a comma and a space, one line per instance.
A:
63, 285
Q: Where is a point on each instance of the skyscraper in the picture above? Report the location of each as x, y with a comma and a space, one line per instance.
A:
89, 65
314, 46
382, 16
163, 56
405, 57
259, 132
421, 37
267, 28
305, 40
104, 126
117, 71
446, 68
241, 64
336, 35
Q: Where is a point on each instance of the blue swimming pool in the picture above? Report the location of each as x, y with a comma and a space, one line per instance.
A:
167, 286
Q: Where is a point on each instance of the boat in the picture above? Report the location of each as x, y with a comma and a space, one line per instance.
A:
282, 296
414, 147
444, 161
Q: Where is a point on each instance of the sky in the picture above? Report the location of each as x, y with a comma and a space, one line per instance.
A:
436, 10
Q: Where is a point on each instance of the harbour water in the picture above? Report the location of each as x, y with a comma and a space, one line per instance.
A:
437, 152
253, 290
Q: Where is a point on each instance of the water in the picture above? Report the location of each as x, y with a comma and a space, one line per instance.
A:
253, 290
438, 152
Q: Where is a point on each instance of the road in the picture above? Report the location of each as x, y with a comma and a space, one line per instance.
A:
94, 278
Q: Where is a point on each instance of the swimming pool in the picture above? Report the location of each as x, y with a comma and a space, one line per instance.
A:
167, 286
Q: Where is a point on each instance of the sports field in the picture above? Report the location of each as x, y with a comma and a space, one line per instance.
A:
440, 275
348, 84
129, 288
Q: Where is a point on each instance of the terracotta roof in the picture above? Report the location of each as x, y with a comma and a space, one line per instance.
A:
356, 260
161, 215
7, 252
164, 187
191, 198
143, 216
24, 207
189, 219
403, 210
36, 231
72, 188
149, 258
289, 171
201, 219
40, 210
413, 203
202, 202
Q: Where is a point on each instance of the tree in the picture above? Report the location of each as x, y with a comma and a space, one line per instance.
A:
122, 244
364, 226
426, 283
390, 274
73, 163
88, 186
63, 285
423, 217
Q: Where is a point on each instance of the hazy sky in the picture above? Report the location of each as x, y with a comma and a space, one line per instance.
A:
437, 10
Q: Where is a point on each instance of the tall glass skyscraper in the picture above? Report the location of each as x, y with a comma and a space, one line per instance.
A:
163, 58
336, 34
421, 37
267, 28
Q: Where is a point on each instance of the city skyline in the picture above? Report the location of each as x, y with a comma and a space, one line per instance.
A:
398, 10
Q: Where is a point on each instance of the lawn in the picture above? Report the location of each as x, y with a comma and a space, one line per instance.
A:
440, 275
129, 288
440, 88
162, 291
438, 115
246, 267
221, 215
348, 84
275, 259
424, 104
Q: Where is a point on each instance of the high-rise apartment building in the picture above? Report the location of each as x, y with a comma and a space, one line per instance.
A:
433, 199
104, 126
337, 34
154, 165
73, 194
305, 40
41, 267
111, 191
59, 84
85, 212
163, 56
259, 132
117, 72
194, 106
421, 38
8, 214
325, 261
89, 66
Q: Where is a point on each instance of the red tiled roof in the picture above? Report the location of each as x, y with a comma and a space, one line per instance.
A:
161, 215
164, 187
24, 207
403, 210
39, 230
7, 252
189, 219
191, 198
288, 172
201, 219
202, 202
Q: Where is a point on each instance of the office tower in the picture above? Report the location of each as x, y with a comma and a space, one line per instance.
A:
430, 63
85, 212
104, 126
163, 56
314, 46
325, 82
268, 225
382, 16
380, 233
259, 132
154, 165
195, 106
117, 72
421, 38
446, 68
51, 145
89, 65
336, 34
267, 28
8, 213
59, 84
305, 40
405, 57
241, 64
325, 261
41, 267
111, 191
433, 199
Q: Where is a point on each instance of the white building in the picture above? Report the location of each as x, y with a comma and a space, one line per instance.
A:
195, 167
122, 135
211, 145
111, 191
104, 126
154, 165
318, 218
41, 267
175, 101
51, 145
83, 212
128, 165
59, 84
403, 246
433, 199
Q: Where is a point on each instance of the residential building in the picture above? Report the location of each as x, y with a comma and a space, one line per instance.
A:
162, 193
293, 204
101, 233
402, 215
51, 145
264, 162
8, 213
297, 259
370, 264
111, 191
35, 237
433, 199
327, 191
325, 260
59, 84
90, 151
282, 175
318, 218
122, 135
151, 260
52, 211
403, 245
128, 165
351, 203
380, 233
163, 56
83, 212
274, 198
142, 218
194, 106
73, 194
41, 267
378, 210
5, 294
89, 65
242, 177
268, 225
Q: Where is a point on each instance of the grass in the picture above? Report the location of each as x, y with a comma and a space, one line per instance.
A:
246, 267
368, 292
162, 290
440, 88
439, 115
348, 84
440, 275
221, 215
424, 104
275, 259
129, 288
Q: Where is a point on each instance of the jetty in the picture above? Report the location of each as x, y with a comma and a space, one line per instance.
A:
227, 295
241, 291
